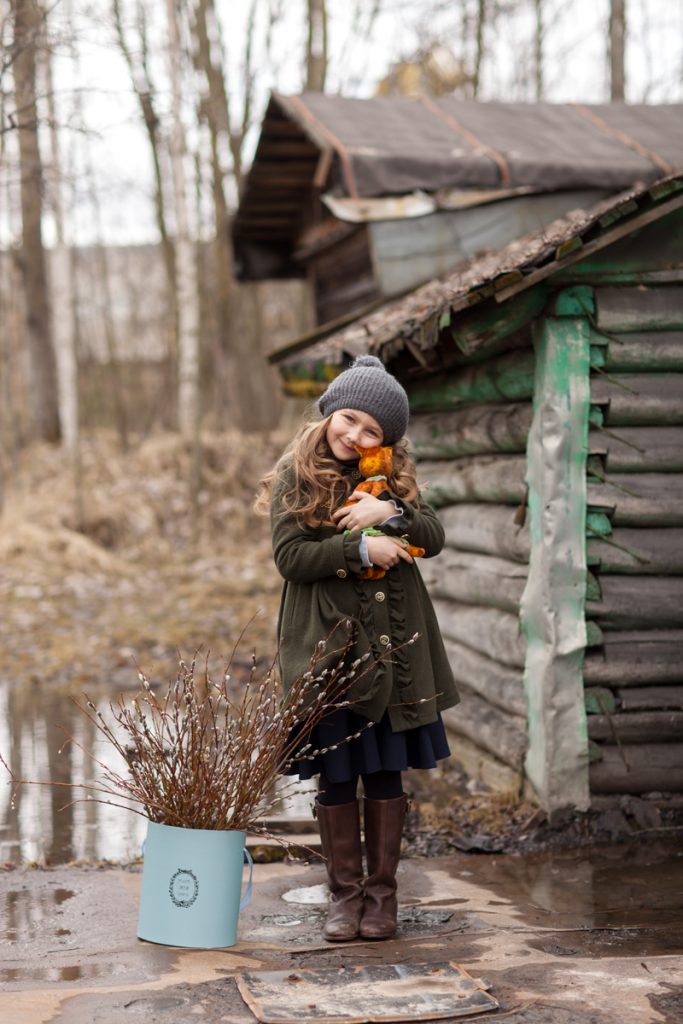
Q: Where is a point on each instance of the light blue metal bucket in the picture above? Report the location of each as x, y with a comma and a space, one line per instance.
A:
191, 886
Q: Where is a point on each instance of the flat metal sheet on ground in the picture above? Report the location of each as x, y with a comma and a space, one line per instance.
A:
381, 992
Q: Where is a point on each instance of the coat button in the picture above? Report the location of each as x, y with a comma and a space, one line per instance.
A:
384, 639
379, 596
341, 573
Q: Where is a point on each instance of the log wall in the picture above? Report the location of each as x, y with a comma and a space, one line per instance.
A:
469, 429
634, 679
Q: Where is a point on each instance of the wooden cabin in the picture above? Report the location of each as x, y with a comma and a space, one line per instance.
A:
546, 394
368, 198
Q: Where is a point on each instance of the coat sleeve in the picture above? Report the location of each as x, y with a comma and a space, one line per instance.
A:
303, 554
421, 525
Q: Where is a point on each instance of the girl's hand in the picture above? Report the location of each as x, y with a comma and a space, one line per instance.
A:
366, 511
386, 552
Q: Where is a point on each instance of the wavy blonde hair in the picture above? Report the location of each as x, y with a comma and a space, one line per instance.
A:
319, 486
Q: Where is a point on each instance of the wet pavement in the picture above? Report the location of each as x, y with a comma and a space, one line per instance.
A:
572, 938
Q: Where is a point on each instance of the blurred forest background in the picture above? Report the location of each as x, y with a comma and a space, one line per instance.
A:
137, 408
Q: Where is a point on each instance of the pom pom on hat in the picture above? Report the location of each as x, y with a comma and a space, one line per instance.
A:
366, 385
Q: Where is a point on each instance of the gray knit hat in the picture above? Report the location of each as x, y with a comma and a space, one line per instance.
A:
367, 386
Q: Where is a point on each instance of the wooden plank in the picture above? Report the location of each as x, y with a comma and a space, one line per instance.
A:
650, 698
637, 727
489, 631
476, 430
640, 500
653, 352
478, 763
490, 529
484, 330
638, 602
494, 478
636, 658
499, 732
475, 579
631, 399
638, 552
507, 378
598, 700
498, 684
639, 449
653, 308
649, 768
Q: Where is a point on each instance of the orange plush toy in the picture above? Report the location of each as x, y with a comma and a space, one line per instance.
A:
375, 467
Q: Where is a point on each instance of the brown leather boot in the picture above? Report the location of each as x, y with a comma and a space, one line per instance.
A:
383, 830
340, 837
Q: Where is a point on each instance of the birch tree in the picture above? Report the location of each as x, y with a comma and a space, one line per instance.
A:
28, 18
187, 295
316, 46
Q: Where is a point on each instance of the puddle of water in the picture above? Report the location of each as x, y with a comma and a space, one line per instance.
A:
44, 824
26, 914
72, 972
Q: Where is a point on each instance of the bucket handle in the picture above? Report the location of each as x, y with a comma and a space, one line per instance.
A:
246, 899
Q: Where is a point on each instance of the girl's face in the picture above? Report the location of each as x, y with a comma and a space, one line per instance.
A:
348, 427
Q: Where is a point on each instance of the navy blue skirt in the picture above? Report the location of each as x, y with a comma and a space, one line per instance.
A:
377, 748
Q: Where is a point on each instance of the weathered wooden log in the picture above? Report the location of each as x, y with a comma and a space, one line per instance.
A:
640, 499
638, 602
654, 352
638, 552
652, 767
639, 449
498, 684
475, 579
598, 700
651, 698
507, 378
494, 478
496, 731
653, 308
648, 399
637, 727
489, 631
475, 430
490, 529
636, 658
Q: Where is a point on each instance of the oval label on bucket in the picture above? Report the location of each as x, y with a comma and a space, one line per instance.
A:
183, 887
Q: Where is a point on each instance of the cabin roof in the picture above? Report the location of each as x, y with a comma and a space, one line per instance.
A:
355, 149
415, 320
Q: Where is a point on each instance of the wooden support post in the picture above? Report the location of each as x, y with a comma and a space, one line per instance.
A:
553, 602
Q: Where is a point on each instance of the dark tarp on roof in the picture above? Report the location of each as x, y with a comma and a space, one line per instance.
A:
397, 145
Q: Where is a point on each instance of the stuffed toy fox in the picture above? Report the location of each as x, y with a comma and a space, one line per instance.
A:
375, 467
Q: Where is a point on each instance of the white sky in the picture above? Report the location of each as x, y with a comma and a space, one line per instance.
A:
115, 145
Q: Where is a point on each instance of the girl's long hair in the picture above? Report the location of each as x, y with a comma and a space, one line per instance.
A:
319, 486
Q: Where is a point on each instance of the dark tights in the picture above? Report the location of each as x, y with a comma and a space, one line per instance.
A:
377, 786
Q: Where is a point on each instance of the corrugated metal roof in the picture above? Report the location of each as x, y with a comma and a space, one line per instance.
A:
416, 318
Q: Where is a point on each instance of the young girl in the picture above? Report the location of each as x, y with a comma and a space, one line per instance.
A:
319, 549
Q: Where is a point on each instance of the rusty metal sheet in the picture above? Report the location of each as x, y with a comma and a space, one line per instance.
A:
353, 995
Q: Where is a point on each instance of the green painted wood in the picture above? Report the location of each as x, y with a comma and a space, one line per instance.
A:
486, 528
474, 430
647, 399
655, 247
639, 552
652, 307
598, 524
596, 416
636, 450
481, 331
494, 478
655, 352
578, 300
507, 378
598, 700
592, 587
594, 635
552, 609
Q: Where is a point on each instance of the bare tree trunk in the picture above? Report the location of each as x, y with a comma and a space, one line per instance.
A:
144, 91
479, 47
617, 50
538, 50
185, 256
316, 46
43, 390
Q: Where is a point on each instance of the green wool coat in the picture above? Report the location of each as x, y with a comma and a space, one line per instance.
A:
320, 590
